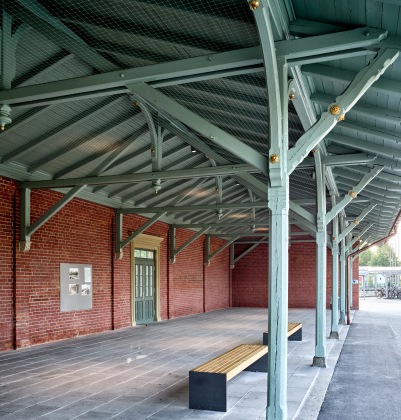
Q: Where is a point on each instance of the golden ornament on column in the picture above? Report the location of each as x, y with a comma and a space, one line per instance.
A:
274, 158
254, 4
335, 110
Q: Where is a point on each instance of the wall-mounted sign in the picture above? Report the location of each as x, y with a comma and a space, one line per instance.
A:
75, 287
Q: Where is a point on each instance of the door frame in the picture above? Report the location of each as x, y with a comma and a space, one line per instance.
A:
151, 243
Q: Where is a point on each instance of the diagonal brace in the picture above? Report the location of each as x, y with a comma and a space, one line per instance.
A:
360, 234
352, 194
360, 84
120, 243
174, 252
27, 230
208, 256
247, 251
352, 226
223, 139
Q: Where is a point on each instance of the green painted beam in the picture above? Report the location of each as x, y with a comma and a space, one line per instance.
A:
138, 177
323, 44
340, 160
116, 81
331, 56
357, 189
356, 143
38, 18
215, 207
360, 84
352, 226
223, 139
385, 115
332, 74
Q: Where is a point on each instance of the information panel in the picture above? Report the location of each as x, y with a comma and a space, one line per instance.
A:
75, 287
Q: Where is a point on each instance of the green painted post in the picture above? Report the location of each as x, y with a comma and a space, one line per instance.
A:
334, 294
278, 301
342, 279
319, 359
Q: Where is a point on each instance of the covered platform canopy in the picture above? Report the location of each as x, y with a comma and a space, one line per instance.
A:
251, 121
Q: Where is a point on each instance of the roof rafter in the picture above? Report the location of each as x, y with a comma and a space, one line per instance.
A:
160, 101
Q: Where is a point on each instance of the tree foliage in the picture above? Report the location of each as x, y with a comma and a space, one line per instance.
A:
365, 257
384, 256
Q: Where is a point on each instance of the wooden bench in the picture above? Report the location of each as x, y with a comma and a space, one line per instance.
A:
208, 382
294, 332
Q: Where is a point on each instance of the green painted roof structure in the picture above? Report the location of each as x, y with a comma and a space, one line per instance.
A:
75, 74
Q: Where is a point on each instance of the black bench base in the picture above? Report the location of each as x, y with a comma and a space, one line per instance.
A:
296, 336
208, 391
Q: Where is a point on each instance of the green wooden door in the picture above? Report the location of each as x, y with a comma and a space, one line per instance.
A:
144, 290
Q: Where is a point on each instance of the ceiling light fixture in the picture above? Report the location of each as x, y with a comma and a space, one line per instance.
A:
156, 185
5, 118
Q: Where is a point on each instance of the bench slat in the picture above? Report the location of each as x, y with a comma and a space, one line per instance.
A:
234, 361
292, 327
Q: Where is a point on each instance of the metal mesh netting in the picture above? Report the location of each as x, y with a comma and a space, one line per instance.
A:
131, 33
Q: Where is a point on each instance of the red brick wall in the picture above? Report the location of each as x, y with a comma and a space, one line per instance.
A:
250, 277
217, 278
355, 287
7, 193
80, 233
186, 277
83, 233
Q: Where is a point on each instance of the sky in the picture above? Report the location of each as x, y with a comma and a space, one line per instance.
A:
396, 243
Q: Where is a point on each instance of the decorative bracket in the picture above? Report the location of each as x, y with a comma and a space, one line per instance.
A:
120, 243
209, 256
26, 229
357, 238
247, 251
360, 84
358, 219
353, 193
174, 252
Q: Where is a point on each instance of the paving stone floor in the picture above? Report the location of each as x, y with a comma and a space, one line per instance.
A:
142, 372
